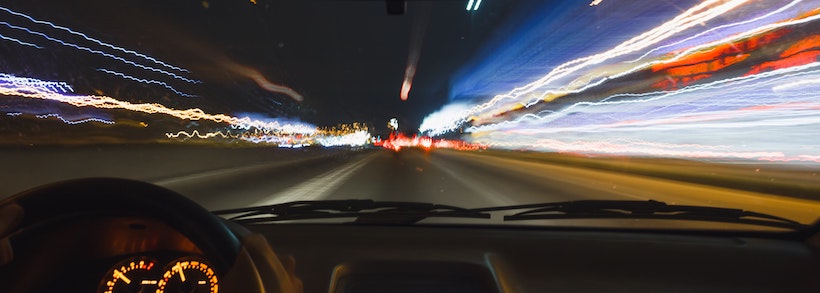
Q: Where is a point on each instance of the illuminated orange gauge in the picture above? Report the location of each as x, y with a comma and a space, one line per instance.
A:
188, 275
136, 274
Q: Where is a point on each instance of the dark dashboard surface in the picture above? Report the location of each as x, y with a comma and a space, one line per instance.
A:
78, 255
516, 260
427, 258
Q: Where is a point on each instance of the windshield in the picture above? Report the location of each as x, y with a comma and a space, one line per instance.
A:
467, 103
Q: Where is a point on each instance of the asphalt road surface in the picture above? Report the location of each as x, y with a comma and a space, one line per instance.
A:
219, 179
462, 179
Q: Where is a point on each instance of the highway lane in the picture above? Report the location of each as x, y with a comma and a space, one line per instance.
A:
464, 179
222, 178
583, 183
22, 168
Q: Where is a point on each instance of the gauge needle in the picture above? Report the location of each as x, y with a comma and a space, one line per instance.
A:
181, 274
119, 275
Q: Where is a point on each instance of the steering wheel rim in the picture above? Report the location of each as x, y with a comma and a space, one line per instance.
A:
124, 196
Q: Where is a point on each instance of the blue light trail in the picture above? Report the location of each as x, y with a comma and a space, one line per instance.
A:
101, 43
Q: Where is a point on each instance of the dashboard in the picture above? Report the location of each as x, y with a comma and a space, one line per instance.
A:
72, 237
128, 254
109, 254
373, 258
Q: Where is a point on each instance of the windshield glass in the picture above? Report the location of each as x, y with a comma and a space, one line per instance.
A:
469, 103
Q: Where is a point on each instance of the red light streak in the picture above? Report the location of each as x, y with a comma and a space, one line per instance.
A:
700, 65
802, 52
398, 141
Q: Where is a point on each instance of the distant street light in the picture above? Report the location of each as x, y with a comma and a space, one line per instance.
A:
393, 124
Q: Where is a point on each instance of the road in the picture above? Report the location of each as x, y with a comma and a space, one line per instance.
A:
222, 179
462, 179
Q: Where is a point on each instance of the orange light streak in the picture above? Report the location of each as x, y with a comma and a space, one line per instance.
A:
105, 102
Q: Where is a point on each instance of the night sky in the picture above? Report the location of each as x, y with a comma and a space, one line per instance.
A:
347, 58
731, 78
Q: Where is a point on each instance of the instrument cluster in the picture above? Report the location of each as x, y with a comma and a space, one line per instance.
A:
145, 274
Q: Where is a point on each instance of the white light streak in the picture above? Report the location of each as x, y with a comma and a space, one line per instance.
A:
477, 4
470, 5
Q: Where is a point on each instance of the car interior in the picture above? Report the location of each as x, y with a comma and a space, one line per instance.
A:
529, 146
63, 236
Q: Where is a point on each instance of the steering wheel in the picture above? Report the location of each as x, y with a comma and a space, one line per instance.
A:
114, 196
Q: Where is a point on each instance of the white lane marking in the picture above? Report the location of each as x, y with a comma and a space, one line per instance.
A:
199, 176
222, 172
318, 187
212, 173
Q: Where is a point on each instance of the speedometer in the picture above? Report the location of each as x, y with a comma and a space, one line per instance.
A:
188, 275
130, 275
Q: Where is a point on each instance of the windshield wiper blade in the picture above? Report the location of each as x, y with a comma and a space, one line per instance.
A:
633, 209
364, 210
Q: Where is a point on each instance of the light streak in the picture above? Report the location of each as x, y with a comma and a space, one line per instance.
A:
74, 122
440, 122
703, 12
358, 138
146, 81
797, 84
743, 130
742, 89
243, 128
470, 5
8, 87
421, 21
409, 72
692, 17
197, 134
98, 42
343, 129
355, 134
757, 31
98, 52
256, 136
725, 84
20, 42
477, 4
398, 141
260, 80
595, 2
60, 87
64, 120
293, 146
602, 147
352, 135
717, 28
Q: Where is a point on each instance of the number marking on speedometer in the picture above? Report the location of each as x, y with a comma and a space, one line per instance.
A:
127, 275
